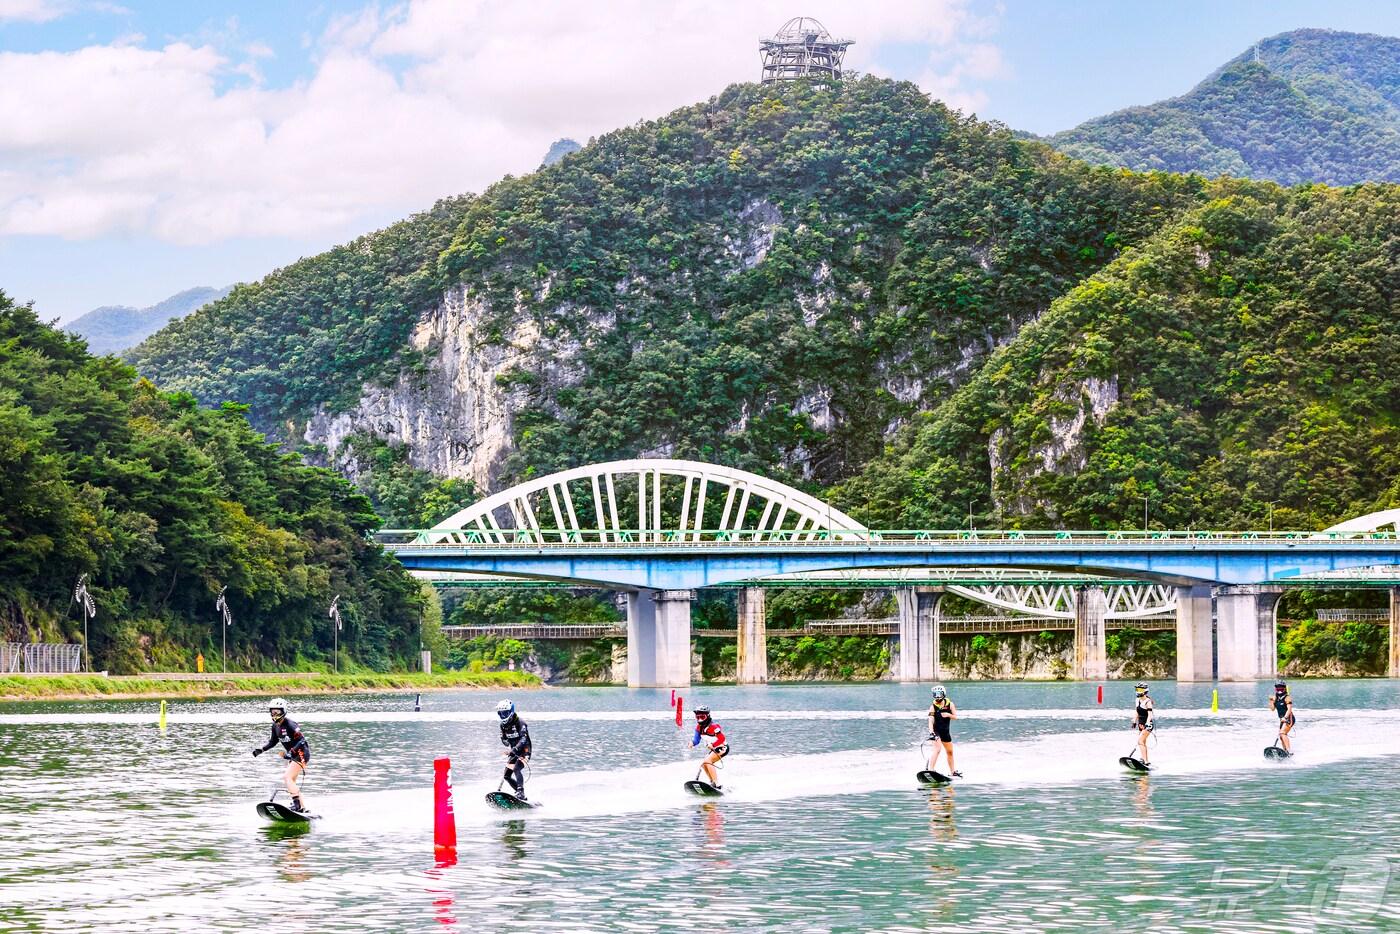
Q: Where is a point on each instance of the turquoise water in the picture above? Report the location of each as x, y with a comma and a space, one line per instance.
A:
108, 825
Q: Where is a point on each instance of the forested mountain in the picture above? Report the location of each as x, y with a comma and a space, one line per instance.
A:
1306, 106
114, 328
1238, 361
163, 503
770, 279
852, 288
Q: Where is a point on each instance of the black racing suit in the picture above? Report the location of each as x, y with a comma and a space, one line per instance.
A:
515, 736
942, 721
286, 732
1281, 705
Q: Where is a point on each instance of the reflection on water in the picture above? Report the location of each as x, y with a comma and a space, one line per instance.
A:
709, 818
442, 899
106, 825
513, 839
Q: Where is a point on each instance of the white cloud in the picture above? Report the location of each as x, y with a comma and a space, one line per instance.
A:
405, 105
32, 11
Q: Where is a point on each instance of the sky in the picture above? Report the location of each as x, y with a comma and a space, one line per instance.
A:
148, 147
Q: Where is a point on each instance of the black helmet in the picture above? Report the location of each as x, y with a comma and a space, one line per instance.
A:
702, 712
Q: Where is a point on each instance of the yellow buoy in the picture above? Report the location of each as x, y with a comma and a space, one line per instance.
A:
1215, 702
162, 716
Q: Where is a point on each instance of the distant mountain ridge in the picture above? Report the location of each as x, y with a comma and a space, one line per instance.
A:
1311, 105
559, 149
114, 328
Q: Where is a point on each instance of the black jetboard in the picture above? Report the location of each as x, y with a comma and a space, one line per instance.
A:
703, 789
1277, 753
1133, 764
281, 814
506, 801
927, 777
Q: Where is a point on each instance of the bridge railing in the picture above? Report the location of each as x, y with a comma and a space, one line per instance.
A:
843, 538
1344, 615
526, 632
952, 625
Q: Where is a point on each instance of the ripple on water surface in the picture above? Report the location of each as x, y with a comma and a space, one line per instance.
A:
109, 825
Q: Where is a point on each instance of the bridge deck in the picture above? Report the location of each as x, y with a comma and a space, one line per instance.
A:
852, 627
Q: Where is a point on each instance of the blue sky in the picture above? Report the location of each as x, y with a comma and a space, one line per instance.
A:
151, 147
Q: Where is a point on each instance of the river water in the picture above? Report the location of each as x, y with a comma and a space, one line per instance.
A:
107, 824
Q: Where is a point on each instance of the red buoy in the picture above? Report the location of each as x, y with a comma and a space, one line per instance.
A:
1100, 693
673, 697
680, 702
444, 821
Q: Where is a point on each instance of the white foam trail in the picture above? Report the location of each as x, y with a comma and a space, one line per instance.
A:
471, 716
1059, 759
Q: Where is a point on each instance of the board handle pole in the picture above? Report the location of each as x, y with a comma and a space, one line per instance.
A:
444, 820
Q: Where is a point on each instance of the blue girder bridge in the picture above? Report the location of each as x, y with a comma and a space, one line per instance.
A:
691, 525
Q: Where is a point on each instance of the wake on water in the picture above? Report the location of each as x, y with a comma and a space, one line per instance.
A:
618, 716
1066, 758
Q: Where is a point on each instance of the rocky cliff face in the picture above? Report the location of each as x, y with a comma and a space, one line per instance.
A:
455, 411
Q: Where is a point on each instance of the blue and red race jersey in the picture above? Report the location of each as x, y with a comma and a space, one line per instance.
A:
710, 729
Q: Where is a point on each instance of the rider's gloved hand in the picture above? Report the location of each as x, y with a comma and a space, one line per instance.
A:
256, 752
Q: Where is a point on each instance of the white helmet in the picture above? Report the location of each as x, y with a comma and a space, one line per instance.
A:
939, 692
279, 705
505, 710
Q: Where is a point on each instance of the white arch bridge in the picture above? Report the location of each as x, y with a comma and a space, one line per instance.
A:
658, 529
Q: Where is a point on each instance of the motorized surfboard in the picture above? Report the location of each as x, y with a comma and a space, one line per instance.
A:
281, 814
1134, 764
506, 801
1276, 753
703, 789
929, 777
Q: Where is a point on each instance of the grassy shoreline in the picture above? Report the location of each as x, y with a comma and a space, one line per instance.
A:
92, 687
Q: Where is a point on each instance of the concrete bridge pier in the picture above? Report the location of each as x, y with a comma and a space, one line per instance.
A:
918, 632
658, 638
1246, 633
1394, 668
1195, 631
753, 638
1090, 648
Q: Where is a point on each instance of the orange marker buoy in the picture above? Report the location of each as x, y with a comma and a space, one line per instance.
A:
444, 820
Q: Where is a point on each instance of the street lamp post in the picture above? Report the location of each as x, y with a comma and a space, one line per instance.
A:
222, 606
1144, 512
89, 611
334, 613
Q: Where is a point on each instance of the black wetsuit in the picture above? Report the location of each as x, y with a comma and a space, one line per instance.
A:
515, 736
286, 732
1285, 717
1142, 712
943, 721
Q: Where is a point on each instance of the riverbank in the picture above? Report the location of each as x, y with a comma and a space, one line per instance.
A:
95, 687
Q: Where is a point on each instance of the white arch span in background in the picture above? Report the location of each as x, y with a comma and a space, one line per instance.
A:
1124, 601
674, 501
1387, 520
